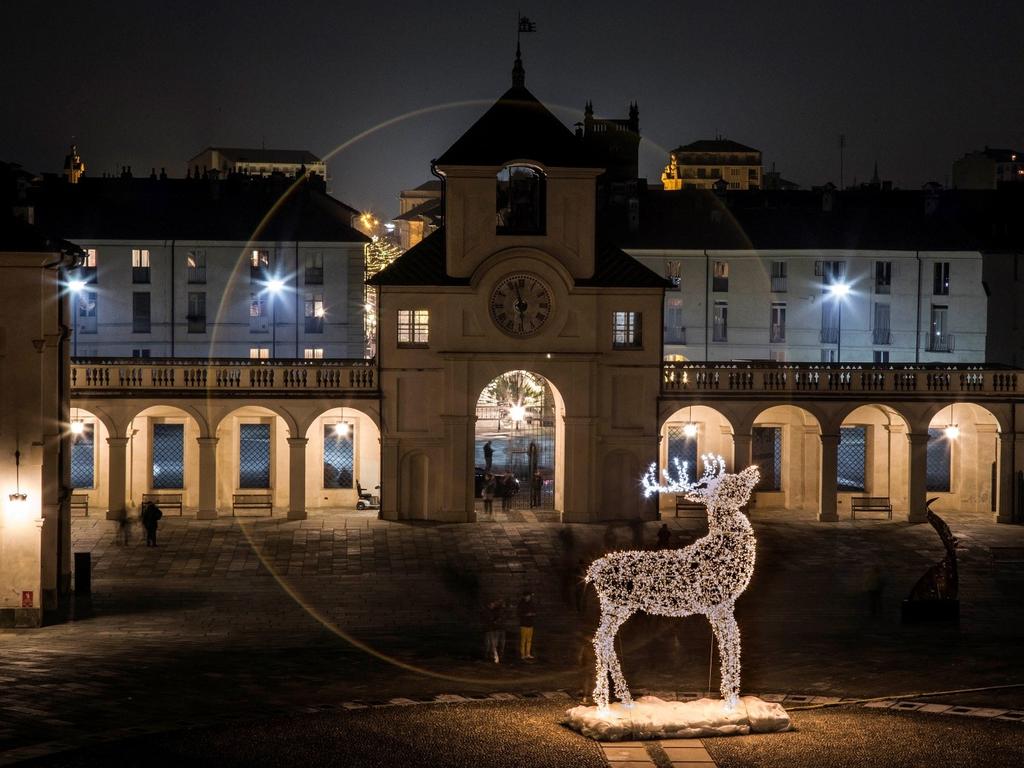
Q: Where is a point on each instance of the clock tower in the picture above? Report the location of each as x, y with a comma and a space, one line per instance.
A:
518, 280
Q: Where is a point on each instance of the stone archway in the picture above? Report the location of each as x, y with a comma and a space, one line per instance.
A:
962, 459
786, 445
686, 435
873, 457
342, 454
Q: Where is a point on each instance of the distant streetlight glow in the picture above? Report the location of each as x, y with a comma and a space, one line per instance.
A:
275, 285
76, 286
517, 413
839, 290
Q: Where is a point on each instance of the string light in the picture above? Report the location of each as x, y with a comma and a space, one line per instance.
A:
706, 577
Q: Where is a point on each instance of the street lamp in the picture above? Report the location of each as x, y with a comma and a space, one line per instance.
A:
274, 286
76, 287
839, 291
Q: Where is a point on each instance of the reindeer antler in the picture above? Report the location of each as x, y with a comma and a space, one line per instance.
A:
714, 466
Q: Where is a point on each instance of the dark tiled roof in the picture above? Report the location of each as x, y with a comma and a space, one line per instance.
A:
193, 209
517, 127
693, 219
243, 155
18, 236
423, 264
715, 145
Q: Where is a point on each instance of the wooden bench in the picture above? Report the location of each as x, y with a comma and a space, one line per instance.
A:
687, 508
79, 501
870, 504
252, 501
164, 500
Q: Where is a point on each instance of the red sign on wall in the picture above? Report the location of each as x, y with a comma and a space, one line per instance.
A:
26, 599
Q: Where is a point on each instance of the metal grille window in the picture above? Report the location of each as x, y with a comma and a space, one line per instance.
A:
626, 330
853, 442
778, 324
779, 278
720, 322
937, 461
339, 455
87, 312
195, 262
168, 456
253, 455
413, 327
883, 276
197, 312
766, 452
683, 448
83, 458
314, 313
720, 277
140, 265
140, 313
940, 285
314, 273
259, 320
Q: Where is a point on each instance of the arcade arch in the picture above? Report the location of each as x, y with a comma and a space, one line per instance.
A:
873, 457
688, 433
342, 454
786, 445
963, 456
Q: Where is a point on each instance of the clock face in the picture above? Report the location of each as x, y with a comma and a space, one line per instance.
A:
520, 304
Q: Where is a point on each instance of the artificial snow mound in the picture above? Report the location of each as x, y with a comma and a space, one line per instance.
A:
653, 718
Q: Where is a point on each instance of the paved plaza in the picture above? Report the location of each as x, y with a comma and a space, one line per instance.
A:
232, 621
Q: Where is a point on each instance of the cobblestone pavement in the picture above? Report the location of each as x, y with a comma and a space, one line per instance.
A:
240, 618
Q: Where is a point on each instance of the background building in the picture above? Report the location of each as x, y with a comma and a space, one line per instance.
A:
988, 169
210, 268
419, 213
257, 162
703, 163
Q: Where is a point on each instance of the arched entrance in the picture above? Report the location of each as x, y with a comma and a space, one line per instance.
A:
873, 458
163, 456
686, 435
342, 455
786, 446
962, 464
518, 446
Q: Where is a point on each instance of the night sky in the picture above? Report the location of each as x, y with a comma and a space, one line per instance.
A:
911, 84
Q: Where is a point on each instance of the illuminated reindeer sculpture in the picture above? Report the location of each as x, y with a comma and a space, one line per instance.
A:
705, 577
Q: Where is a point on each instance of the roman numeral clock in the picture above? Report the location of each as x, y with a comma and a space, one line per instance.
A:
520, 304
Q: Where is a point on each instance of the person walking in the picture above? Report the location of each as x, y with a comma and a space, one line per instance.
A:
664, 535
151, 515
488, 493
124, 528
488, 456
494, 617
508, 490
536, 488
527, 614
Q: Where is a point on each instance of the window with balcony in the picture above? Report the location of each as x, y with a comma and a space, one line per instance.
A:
140, 313
140, 265
259, 265
940, 282
314, 271
196, 312
195, 265
87, 272
675, 333
778, 323
852, 458
520, 201
259, 319
830, 272
720, 322
720, 277
87, 312
626, 330
939, 338
413, 327
314, 313
883, 277
779, 277
674, 272
339, 455
881, 332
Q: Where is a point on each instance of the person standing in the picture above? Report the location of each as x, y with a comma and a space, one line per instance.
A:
494, 618
527, 615
488, 493
508, 490
151, 515
536, 488
488, 456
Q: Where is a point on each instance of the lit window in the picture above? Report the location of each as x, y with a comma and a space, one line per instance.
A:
313, 353
140, 265
90, 258
259, 353
413, 327
626, 330
720, 277
314, 313
195, 261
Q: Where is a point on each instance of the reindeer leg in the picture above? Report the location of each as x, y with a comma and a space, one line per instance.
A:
727, 633
607, 660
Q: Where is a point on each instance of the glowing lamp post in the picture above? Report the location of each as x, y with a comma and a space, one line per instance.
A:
839, 291
274, 286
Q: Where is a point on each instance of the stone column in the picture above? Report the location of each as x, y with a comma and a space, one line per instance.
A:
742, 446
828, 511
116, 465
297, 478
917, 493
1004, 480
207, 478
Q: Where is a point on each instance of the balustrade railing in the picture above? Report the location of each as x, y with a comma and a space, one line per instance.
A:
265, 376
836, 379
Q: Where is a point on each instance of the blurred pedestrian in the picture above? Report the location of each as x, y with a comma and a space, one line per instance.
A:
151, 515
124, 528
494, 619
488, 493
527, 615
488, 456
508, 490
536, 488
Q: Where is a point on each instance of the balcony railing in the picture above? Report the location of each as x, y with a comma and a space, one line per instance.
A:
940, 343
752, 379
122, 377
779, 284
